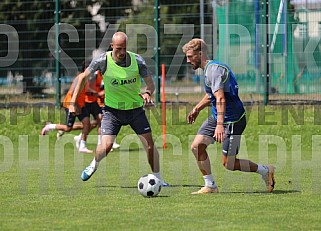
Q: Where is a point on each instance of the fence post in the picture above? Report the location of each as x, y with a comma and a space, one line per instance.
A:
267, 54
57, 63
157, 47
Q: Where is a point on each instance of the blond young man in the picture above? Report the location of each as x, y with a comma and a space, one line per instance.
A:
227, 122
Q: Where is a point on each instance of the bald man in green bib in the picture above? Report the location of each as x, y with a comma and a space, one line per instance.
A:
122, 72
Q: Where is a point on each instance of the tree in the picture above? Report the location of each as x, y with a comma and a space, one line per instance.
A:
171, 12
33, 19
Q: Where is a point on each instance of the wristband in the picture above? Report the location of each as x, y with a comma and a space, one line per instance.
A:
148, 93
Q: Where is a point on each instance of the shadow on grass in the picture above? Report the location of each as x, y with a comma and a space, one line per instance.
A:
130, 149
158, 196
262, 192
285, 191
185, 186
277, 191
171, 186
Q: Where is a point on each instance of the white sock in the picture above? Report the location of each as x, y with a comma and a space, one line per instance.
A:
80, 135
99, 140
261, 169
82, 144
158, 175
94, 163
209, 181
52, 126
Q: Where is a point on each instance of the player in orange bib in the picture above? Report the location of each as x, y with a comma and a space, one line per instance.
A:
94, 102
81, 113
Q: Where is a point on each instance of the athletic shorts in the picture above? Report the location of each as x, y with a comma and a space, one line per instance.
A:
233, 133
114, 119
71, 117
93, 109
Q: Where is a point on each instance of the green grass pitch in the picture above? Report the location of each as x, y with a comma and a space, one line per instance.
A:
41, 189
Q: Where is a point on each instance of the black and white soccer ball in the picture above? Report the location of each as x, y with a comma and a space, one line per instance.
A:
149, 185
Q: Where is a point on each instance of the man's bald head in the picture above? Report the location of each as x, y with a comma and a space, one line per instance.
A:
119, 37
119, 45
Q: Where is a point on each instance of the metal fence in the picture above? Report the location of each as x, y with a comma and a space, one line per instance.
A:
272, 46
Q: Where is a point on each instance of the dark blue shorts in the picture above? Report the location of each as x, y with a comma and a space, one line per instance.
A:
233, 133
71, 117
114, 119
93, 109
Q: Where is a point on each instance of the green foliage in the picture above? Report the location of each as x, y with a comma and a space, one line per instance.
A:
33, 20
170, 12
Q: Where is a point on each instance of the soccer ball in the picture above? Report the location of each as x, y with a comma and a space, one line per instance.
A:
149, 185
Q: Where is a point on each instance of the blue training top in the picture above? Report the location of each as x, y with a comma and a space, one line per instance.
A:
219, 76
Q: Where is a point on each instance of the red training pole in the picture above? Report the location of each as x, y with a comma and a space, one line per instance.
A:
163, 107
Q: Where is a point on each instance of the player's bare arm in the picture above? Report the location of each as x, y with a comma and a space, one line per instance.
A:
82, 78
150, 88
205, 102
220, 106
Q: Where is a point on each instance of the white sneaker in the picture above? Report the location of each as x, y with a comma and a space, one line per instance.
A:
45, 130
87, 173
269, 178
60, 134
85, 150
206, 190
115, 145
164, 184
77, 140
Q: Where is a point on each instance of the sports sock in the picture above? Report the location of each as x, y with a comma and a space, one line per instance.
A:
94, 163
51, 126
209, 181
261, 169
82, 144
158, 175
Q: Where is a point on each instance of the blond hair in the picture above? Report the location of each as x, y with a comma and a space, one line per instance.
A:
195, 44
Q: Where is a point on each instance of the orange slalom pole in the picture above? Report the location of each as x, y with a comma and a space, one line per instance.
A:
163, 107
